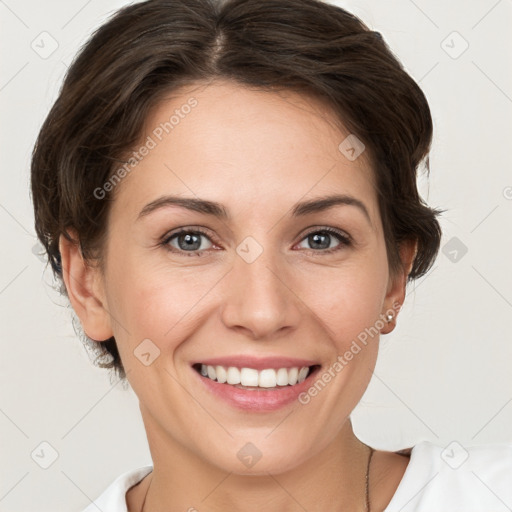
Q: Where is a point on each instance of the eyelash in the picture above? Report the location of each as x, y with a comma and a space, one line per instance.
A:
345, 241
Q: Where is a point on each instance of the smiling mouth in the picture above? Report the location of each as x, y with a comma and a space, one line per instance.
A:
252, 379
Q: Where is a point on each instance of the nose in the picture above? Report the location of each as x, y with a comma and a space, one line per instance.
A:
260, 299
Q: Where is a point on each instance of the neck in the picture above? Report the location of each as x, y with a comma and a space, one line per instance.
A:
333, 479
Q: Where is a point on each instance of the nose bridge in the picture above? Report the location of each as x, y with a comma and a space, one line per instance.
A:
258, 297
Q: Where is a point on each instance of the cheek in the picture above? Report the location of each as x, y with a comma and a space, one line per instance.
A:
348, 298
159, 302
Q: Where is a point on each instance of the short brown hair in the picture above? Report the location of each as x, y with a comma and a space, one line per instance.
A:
149, 49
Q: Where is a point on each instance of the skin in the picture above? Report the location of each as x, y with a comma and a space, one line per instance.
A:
258, 153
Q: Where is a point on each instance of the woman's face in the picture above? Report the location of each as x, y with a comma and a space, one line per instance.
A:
262, 287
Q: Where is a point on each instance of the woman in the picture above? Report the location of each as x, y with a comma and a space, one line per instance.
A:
228, 192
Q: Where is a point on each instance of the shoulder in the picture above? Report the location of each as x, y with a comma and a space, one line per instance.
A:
455, 477
113, 498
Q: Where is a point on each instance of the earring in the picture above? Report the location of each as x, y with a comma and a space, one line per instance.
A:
389, 317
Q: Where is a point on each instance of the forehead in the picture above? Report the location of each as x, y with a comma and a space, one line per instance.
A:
233, 144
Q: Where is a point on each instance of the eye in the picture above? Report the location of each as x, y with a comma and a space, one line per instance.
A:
187, 240
191, 241
322, 238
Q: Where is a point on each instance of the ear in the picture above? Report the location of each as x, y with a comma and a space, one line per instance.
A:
395, 294
85, 289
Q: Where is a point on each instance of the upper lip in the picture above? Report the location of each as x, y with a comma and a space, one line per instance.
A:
258, 363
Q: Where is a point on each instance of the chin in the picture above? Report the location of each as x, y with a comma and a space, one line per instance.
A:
259, 458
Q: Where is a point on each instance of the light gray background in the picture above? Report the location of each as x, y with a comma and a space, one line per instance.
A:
443, 374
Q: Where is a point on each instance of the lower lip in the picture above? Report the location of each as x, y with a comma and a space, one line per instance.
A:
257, 399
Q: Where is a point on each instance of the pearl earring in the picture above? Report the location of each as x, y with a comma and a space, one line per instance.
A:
389, 317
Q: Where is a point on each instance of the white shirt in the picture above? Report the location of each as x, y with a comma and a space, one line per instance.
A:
437, 479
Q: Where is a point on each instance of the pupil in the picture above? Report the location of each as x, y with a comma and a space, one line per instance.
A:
190, 241
318, 236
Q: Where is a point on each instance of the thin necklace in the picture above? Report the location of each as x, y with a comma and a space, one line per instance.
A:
367, 492
367, 486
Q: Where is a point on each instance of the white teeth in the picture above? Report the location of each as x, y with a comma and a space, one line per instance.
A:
211, 372
293, 373
302, 374
222, 375
249, 377
282, 377
233, 375
267, 378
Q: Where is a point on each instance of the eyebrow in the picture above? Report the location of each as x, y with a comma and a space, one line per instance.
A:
326, 202
218, 210
190, 203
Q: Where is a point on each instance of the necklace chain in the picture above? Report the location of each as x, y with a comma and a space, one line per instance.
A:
367, 484
367, 490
